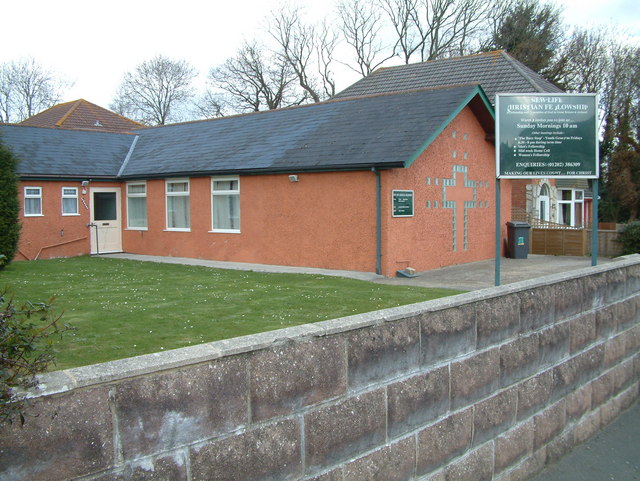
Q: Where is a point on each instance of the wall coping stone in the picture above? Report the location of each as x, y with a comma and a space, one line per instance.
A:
62, 381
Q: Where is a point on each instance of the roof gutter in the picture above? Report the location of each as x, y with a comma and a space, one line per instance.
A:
266, 171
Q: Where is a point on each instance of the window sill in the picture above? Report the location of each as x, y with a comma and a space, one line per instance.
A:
177, 230
137, 228
224, 231
34, 215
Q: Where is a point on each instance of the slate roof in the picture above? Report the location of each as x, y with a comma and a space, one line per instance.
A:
66, 154
81, 115
496, 72
382, 131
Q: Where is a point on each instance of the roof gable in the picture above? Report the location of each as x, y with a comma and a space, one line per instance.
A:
81, 115
496, 72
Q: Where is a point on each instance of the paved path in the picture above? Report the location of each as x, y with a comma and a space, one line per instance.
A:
611, 455
479, 275
465, 277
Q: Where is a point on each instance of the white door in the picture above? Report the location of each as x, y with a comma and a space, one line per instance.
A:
106, 235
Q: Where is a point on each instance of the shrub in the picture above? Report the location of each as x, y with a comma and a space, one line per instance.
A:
9, 206
629, 238
27, 335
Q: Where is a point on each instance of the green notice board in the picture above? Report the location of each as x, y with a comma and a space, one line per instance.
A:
402, 203
546, 135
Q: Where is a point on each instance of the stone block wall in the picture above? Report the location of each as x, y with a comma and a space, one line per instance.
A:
489, 385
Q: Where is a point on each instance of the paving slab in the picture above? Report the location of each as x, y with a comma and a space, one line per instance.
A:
613, 454
466, 277
480, 275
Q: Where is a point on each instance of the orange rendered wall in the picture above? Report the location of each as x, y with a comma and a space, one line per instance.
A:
52, 234
325, 220
425, 241
328, 220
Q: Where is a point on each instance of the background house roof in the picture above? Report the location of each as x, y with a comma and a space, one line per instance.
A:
382, 131
66, 153
496, 72
81, 115
377, 131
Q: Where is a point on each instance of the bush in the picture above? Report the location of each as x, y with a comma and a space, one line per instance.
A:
9, 206
629, 238
27, 335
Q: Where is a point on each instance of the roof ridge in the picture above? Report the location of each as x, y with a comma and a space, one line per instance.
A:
522, 69
491, 53
56, 129
324, 102
69, 112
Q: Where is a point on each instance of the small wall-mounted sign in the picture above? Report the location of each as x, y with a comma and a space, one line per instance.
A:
402, 201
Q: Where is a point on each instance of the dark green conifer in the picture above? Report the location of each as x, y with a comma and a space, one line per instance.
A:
9, 206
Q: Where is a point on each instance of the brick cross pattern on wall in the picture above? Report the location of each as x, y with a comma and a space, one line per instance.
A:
459, 194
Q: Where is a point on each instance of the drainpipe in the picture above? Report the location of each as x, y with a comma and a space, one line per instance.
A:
378, 222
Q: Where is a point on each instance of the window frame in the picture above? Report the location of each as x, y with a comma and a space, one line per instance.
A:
219, 193
64, 196
544, 203
32, 196
573, 203
186, 194
137, 195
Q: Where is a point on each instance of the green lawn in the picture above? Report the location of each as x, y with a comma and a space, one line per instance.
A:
124, 308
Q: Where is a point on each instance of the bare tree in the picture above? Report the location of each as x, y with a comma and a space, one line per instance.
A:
207, 106
446, 27
26, 88
437, 28
327, 42
6, 94
157, 92
253, 81
307, 49
401, 14
360, 23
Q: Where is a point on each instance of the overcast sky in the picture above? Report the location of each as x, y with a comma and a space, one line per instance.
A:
93, 43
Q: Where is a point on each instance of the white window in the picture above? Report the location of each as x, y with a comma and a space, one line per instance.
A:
137, 205
225, 204
543, 203
570, 207
69, 201
32, 201
178, 205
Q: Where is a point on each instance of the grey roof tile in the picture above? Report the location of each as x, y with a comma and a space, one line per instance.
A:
496, 72
348, 134
387, 130
66, 153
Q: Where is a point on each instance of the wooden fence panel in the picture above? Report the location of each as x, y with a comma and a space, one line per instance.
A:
558, 242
